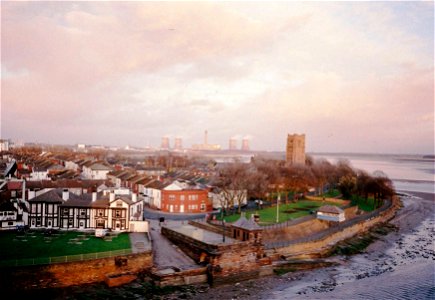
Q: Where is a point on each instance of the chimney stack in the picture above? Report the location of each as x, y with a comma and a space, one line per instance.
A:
94, 196
134, 197
112, 196
65, 194
32, 194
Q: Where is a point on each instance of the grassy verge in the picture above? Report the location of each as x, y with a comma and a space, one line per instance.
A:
365, 205
34, 244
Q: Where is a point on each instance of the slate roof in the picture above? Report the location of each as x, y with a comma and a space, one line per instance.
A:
52, 196
330, 209
7, 206
246, 224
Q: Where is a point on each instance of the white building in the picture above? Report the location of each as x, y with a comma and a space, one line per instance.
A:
330, 213
96, 171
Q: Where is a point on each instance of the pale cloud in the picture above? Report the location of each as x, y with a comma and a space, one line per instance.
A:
353, 76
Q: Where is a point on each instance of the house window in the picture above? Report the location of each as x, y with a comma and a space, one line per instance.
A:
182, 198
70, 222
100, 223
33, 208
100, 212
13, 194
82, 212
171, 197
119, 203
10, 223
118, 213
11, 213
81, 224
65, 211
202, 206
49, 223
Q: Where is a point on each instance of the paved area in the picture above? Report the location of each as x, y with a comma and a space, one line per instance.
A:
166, 254
139, 242
152, 214
200, 234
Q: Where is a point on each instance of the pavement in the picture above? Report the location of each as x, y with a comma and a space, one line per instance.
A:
139, 242
152, 214
166, 254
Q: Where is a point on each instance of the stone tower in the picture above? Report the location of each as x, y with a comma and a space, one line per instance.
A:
295, 149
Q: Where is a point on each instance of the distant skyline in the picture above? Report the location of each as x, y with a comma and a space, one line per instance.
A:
352, 76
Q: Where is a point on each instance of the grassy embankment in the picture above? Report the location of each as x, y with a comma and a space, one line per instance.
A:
34, 244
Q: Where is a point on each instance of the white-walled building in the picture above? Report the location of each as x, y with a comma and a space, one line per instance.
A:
96, 171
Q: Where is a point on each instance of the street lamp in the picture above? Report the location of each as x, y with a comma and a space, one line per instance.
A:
223, 231
277, 207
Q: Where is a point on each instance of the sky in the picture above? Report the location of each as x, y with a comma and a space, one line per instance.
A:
352, 76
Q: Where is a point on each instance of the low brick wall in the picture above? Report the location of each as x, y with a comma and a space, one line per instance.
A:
74, 273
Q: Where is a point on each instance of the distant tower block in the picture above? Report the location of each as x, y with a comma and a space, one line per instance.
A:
295, 149
165, 142
233, 144
206, 138
178, 143
245, 144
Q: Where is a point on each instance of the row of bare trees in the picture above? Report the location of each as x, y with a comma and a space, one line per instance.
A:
263, 178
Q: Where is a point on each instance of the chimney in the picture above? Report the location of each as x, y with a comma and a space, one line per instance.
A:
32, 194
65, 194
134, 197
94, 196
112, 196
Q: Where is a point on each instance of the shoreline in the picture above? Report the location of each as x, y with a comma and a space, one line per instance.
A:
402, 259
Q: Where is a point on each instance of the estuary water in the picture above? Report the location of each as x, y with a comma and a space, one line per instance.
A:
409, 173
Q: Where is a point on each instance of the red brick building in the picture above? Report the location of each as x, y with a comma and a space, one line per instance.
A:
178, 198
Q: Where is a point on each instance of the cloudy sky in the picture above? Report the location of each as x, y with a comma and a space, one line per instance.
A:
352, 76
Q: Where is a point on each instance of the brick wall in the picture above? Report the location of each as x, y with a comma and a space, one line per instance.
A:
226, 262
74, 273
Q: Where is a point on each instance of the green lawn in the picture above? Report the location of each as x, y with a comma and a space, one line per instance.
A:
362, 203
34, 244
286, 212
331, 193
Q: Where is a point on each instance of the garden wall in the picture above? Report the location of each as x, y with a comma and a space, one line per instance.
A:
74, 273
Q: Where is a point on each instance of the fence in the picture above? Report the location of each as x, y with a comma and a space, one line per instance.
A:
62, 259
320, 235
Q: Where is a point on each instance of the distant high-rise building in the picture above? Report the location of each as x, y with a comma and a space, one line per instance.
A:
233, 144
295, 149
178, 143
165, 142
245, 144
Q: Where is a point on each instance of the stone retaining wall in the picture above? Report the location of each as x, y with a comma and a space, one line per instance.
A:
73, 273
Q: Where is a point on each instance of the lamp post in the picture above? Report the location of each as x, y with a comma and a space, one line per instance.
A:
223, 231
277, 207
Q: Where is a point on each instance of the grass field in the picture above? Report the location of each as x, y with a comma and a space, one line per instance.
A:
286, 211
34, 244
332, 193
363, 204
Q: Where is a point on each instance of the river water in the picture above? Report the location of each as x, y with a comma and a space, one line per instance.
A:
400, 265
409, 173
